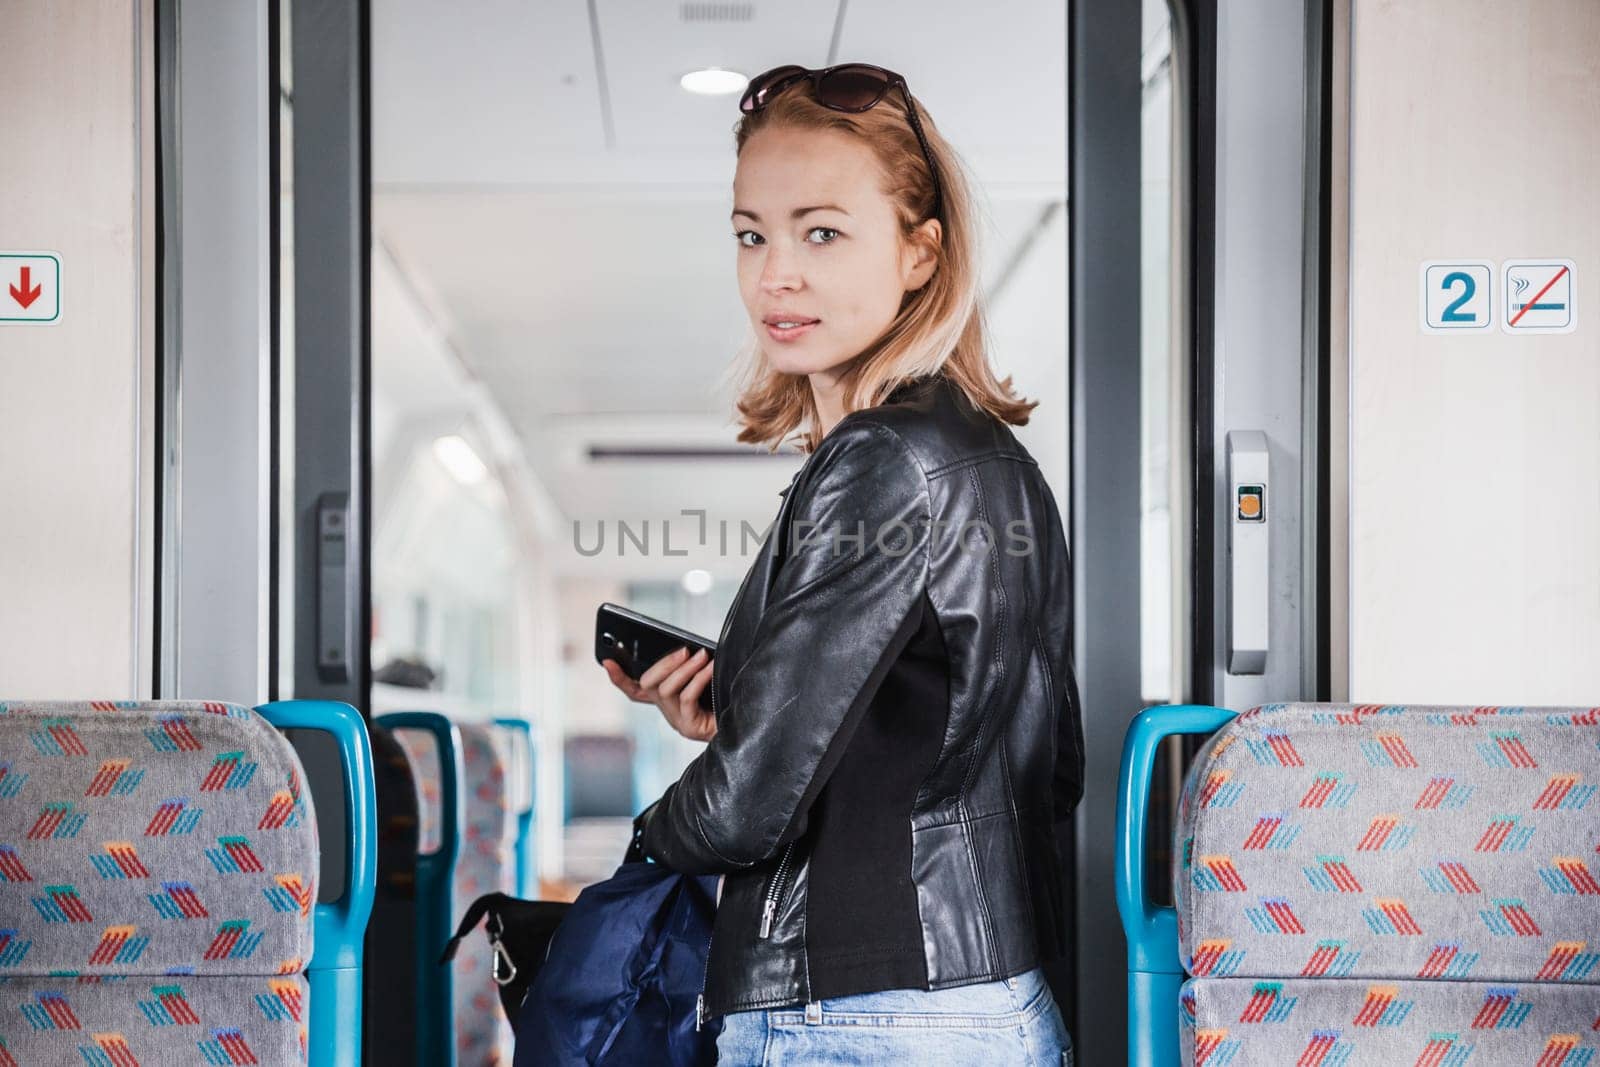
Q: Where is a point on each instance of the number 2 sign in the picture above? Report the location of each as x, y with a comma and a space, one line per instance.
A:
1456, 296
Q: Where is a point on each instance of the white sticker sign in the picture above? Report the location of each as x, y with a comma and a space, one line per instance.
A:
30, 288
1537, 296
1457, 296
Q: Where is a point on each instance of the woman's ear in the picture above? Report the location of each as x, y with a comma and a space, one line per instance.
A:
921, 257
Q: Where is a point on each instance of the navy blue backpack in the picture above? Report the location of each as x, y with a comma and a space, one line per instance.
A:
623, 970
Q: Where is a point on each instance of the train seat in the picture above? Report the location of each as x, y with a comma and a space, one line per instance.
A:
1388, 884
433, 746
520, 779
158, 886
478, 821
391, 953
486, 865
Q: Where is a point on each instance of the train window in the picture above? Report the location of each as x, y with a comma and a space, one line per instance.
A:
1163, 363
1164, 360
283, 327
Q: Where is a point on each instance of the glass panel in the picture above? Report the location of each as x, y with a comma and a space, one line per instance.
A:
1164, 417
286, 363
1158, 683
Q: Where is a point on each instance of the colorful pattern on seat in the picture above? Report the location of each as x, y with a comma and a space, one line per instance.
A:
483, 1034
158, 866
1391, 884
127, 1020
424, 757
1330, 1022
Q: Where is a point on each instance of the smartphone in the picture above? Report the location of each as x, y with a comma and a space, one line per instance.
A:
635, 641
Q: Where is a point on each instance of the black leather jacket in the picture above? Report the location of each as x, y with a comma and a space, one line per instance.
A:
898, 729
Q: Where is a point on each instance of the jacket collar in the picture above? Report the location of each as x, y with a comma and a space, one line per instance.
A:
904, 391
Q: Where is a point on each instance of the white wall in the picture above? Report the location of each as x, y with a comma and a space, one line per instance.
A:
1474, 460
72, 395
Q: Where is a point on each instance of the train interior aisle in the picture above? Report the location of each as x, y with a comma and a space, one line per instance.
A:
354, 352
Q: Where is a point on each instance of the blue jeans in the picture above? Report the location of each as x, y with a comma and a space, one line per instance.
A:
993, 1024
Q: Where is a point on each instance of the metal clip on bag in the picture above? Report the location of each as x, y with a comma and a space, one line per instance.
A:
519, 936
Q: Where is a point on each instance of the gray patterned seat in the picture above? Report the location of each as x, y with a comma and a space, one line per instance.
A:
483, 1034
158, 867
1362, 884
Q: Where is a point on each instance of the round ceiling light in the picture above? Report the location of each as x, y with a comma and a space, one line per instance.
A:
714, 81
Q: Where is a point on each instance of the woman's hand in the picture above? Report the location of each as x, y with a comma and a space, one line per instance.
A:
672, 683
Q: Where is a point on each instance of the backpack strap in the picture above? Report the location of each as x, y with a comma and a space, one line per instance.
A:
470, 921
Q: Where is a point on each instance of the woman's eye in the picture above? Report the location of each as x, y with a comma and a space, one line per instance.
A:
756, 238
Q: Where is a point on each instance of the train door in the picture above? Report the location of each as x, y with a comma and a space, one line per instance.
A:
555, 333
1197, 353
1384, 507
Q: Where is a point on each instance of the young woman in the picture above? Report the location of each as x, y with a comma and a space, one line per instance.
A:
894, 734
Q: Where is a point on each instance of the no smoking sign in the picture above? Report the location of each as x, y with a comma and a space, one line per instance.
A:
1537, 294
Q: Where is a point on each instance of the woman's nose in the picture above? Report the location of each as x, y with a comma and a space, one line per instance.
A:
780, 271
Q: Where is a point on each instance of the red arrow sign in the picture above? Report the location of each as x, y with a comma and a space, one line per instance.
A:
26, 296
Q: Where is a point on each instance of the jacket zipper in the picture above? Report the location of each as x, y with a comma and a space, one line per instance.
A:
705, 976
769, 908
700, 997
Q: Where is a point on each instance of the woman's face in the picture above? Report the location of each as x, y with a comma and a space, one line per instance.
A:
820, 245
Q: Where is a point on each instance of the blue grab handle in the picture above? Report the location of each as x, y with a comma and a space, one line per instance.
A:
1155, 965
436, 873
527, 874
339, 928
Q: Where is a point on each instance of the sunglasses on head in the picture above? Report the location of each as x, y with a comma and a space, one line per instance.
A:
852, 87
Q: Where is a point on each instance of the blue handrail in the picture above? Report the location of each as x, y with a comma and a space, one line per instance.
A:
527, 872
436, 1046
340, 927
1155, 965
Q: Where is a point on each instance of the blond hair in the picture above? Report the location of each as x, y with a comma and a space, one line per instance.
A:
939, 328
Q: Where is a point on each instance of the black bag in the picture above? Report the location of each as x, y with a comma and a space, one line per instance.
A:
519, 937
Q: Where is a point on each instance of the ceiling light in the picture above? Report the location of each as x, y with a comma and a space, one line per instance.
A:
697, 582
459, 459
713, 81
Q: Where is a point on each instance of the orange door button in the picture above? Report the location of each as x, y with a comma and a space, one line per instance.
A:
1252, 503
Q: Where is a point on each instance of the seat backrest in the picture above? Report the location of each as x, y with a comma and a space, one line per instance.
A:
423, 755
340, 922
432, 744
522, 780
1376, 884
158, 868
486, 865
392, 958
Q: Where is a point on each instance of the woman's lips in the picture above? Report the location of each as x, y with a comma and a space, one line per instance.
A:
793, 333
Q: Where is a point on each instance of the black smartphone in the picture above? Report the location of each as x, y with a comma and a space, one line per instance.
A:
635, 641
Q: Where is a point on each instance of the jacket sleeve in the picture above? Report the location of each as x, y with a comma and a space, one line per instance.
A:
847, 597
1066, 785
1067, 782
